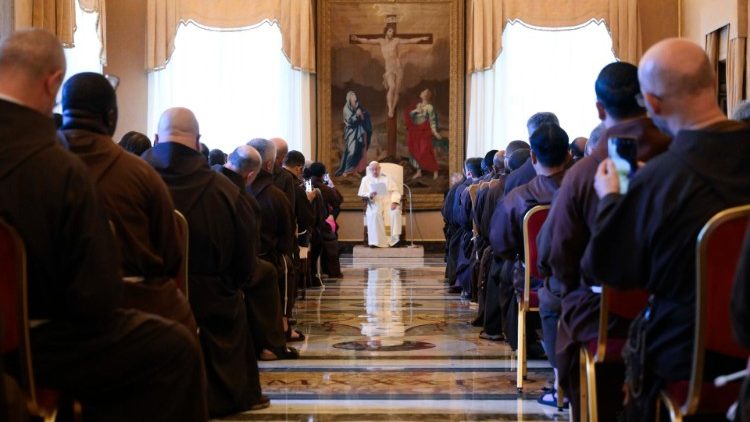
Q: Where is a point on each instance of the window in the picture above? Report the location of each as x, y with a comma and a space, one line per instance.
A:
85, 56
539, 69
238, 83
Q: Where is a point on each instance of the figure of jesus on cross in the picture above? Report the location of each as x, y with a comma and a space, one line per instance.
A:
389, 43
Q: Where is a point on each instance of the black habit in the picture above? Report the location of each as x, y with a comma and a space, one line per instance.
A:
221, 229
125, 365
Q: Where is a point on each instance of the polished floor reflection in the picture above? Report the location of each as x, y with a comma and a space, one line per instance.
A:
387, 343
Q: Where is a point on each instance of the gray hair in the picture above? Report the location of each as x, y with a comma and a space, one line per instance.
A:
742, 112
265, 148
36, 52
594, 138
244, 159
538, 119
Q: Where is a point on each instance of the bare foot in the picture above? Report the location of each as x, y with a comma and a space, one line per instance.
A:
417, 175
435, 175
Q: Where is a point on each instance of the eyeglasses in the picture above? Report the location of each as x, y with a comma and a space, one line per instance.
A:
642, 101
113, 80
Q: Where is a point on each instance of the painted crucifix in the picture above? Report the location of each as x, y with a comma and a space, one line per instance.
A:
389, 42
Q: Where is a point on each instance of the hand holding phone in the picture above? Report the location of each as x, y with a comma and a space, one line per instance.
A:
624, 151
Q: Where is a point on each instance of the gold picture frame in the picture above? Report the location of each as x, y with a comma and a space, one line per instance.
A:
404, 63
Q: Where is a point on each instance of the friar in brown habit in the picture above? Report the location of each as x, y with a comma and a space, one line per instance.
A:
122, 365
221, 229
277, 230
133, 196
261, 293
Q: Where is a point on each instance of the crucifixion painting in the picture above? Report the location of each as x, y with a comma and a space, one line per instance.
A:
389, 42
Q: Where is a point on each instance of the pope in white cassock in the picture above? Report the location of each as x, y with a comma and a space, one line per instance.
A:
383, 201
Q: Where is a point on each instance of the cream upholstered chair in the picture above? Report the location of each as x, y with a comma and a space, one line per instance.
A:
395, 172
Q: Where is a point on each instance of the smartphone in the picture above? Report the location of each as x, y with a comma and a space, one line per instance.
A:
623, 151
308, 185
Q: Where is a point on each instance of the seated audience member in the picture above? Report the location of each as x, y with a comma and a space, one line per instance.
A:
452, 240
283, 179
526, 172
262, 292
133, 196
462, 215
492, 319
572, 215
549, 153
741, 112
293, 164
741, 320
276, 231
326, 242
488, 166
216, 156
658, 219
451, 215
577, 148
594, 138
381, 207
204, 151
221, 229
122, 365
134, 142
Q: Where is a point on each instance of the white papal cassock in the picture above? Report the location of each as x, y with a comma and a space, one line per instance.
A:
379, 208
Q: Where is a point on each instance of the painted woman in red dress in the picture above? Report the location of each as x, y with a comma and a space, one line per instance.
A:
421, 126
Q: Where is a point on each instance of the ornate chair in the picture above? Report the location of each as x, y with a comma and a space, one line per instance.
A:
14, 317
529, 300
625, 304
183, 240
717, 254
396, 172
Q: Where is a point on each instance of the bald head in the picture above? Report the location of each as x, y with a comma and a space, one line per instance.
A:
675, 67
179, 125
244, 160
679, 86
32, 67
282, 148
267, 151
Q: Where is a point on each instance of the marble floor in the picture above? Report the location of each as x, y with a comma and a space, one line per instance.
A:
388, 343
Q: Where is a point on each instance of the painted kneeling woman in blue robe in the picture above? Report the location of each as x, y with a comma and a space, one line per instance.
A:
357, 133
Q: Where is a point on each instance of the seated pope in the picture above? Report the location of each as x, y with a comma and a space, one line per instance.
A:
383, 199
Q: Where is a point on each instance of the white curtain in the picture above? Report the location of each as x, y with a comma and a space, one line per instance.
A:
236, 97
539, 69
85, 56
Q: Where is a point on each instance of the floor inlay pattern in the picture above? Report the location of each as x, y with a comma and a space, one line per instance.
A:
388, 343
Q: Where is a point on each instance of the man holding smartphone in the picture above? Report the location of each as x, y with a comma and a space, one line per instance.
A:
657, 221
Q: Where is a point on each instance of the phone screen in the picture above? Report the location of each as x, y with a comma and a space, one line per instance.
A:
308, 185
623, 152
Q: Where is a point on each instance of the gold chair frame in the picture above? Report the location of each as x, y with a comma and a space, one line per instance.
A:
27, 379
524, 306
183, 228
678, 411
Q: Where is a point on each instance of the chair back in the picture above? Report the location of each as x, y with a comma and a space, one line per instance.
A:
532, 225
14, 315
473, 190
717, 252
622, 303
183, 241
395, 172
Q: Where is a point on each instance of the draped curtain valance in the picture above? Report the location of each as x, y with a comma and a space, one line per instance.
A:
487, 20
59, 18
295, 18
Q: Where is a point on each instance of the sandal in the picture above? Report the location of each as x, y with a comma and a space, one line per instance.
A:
279, 353
491, 337
300, 336
550, 399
